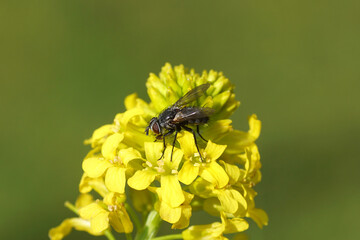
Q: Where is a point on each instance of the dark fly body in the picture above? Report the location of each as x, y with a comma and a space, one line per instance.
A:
179, 117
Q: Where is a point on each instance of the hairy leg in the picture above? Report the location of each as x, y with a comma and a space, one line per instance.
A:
198, 132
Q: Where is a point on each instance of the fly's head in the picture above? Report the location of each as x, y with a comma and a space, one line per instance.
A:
154, 126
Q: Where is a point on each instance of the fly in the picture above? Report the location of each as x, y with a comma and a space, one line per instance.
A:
179, 116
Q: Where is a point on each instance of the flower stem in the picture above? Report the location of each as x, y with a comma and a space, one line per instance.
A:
70, 206
109, 235
151, 227
169, 237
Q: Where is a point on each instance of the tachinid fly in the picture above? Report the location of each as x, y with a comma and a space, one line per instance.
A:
179, 116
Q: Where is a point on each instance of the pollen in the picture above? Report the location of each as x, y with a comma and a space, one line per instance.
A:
174, 171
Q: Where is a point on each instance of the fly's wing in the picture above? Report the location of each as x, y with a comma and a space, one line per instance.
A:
192, 95
192, 113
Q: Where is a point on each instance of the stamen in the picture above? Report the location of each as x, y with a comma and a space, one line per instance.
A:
174, 171
115, 129
196, 164
159, 169
149, 164
112, 208
160, 163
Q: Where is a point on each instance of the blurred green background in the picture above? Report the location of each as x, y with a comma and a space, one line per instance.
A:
66, 66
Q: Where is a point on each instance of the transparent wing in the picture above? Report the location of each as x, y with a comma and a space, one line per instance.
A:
192, 95
192, 113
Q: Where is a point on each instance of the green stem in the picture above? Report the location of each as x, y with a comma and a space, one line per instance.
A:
70, 206
169, 237
134, 217
109, 235
151, 227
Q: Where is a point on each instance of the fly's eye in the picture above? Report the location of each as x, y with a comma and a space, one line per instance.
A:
155, 128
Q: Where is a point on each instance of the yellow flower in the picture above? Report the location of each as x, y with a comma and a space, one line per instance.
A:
59, 232
112, 161
127, 168
179, 216
164, 168
208, 169
110, 211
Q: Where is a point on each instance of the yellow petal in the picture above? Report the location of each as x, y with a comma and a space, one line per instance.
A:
238, 140
255, 126
229, 204
187, 144
232, 171
205, 232
259, 216
83, 200
99, 134
215, 174
188, 173
214, 151
212, 206
176, 157
128, 154
171, 191
154, 82
115, 179
95, 167
65, 227
90, 211
217, 129
59, 232
202, 188
87, 184
156, 97
100, 222
142, 179
111, 144
169, 214
153, 151
220, 99
130, 101
129, 115
240, 199
236, 225
184, 220
120, 221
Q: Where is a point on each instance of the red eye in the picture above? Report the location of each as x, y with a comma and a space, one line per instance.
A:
155, 128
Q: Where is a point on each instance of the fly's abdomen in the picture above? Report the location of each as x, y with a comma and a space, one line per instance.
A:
198, 121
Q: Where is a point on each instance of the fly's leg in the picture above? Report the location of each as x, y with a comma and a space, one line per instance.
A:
166, 134
198, 132
173, 145
192, 131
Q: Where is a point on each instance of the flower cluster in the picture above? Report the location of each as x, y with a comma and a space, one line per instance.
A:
125, 169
